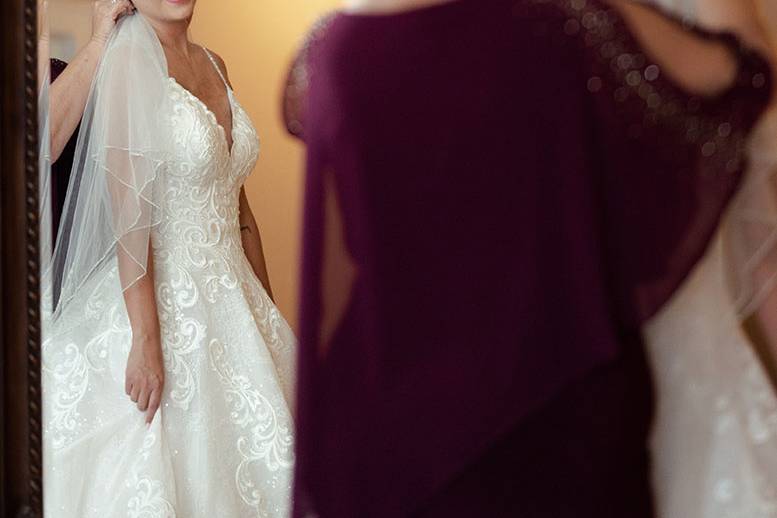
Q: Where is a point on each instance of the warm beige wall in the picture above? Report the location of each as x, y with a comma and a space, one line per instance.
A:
72, 18
257, 39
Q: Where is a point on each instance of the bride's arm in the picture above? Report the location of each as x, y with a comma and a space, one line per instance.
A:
144, 378
252, 243
249, 230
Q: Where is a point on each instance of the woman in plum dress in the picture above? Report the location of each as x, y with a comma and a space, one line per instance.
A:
500, 194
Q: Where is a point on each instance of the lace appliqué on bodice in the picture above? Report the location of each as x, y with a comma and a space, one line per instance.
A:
225, 418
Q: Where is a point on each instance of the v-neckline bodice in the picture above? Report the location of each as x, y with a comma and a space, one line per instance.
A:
229, 141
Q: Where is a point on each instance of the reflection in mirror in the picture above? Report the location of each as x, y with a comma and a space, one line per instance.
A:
44, 155
43, 41
168, 361
168, 353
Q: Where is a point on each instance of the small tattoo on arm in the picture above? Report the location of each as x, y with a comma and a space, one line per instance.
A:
246, 227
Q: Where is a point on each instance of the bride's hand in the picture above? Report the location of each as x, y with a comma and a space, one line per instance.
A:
145, 376
105, 14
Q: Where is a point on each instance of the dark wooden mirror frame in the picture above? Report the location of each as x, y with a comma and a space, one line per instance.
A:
21, 491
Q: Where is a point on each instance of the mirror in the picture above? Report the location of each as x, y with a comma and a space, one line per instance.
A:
169, 293
152, 212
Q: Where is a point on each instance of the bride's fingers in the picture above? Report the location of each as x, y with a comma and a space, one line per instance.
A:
143, 399
153, 405
135, 394
127, 386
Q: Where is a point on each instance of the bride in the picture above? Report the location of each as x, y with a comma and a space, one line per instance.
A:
168, 371
715, 435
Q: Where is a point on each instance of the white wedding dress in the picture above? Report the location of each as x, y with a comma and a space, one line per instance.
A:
222, 442
714, 441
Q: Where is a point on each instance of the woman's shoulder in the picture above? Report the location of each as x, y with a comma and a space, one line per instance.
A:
218, 61
217, 57
319, 29
297, 81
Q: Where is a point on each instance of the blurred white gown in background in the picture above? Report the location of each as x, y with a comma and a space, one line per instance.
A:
715, 436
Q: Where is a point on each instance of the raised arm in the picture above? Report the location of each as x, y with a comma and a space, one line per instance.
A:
751, 258
70, 91
703, 67
745, 18
673, 109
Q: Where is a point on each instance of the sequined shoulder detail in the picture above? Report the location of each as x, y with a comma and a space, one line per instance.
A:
619, 73
298, 80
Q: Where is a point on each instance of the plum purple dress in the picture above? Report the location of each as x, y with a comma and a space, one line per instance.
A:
499, 194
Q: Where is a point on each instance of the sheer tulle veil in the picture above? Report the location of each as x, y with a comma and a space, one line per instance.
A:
44, 173
714, 439
122, 147
44, 133
750, 226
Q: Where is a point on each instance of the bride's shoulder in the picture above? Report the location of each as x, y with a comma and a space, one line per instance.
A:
219, 62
